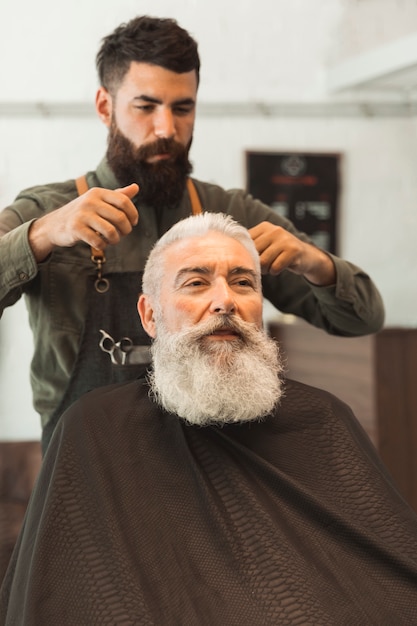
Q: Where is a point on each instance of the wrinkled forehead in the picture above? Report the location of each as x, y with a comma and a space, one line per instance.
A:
213, 249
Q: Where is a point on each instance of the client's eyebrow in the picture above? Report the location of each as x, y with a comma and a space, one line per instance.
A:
244, 270
205, 271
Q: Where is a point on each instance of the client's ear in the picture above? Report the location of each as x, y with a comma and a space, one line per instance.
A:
146, 315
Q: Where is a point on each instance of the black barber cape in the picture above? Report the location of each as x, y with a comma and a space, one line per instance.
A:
138, 518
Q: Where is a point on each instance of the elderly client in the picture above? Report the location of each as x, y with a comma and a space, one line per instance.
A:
215, 491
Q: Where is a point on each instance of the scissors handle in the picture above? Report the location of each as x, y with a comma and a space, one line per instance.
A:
124, 352
125, 345
108, 345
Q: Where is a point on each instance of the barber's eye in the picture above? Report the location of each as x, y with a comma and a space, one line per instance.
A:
183, 110
146, 108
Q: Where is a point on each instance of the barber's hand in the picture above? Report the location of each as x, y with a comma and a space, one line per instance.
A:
279, 249
98, 217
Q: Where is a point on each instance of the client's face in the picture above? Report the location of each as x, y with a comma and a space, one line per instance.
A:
207, 276
213, 363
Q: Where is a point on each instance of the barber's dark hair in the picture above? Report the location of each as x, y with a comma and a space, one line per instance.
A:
154, 40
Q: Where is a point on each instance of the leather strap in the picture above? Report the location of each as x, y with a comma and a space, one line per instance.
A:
195, 200
81, 184
82, 187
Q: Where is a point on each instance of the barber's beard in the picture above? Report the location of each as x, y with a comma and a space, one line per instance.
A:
161, 184
207, 381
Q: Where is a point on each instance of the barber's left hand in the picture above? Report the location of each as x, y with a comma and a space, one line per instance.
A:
279, 249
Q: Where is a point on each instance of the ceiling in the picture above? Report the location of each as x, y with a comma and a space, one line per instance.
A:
391, 68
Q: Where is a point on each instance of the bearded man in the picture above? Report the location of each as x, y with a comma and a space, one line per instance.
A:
213, 491
76, 249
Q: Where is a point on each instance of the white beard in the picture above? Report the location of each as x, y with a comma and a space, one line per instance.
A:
214, 381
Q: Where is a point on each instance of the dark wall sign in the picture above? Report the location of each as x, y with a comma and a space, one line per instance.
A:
304, 187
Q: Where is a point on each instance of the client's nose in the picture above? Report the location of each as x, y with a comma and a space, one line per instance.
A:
223, 301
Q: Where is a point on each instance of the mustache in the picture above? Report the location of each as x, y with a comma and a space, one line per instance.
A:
246, 331
162, 145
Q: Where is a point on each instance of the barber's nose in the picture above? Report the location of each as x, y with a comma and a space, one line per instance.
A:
164, 125
223, 301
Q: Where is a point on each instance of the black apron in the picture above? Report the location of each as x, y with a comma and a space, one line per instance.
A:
114, 312
111, 308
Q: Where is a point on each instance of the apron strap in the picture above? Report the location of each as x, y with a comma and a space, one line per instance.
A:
81, 184
97, 256
195, 200
82, 187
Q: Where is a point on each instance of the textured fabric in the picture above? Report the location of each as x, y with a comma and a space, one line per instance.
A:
138, 519
57, 290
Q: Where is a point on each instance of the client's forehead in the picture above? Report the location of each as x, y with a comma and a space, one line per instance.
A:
214, 250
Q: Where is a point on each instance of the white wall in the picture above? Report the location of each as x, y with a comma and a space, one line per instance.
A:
268, 51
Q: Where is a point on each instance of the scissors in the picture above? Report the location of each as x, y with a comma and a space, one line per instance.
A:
118, 350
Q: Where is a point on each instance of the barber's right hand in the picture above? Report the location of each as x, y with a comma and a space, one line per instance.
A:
98, 217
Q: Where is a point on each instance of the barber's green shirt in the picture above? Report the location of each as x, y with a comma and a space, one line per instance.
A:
55, 290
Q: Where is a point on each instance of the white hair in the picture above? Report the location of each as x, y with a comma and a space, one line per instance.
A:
194, 226
216, 382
